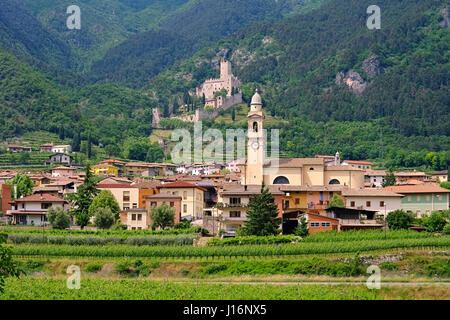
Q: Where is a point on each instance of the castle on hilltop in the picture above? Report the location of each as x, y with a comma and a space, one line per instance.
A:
226, 81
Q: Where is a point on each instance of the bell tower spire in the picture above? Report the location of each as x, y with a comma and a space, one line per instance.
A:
255, 142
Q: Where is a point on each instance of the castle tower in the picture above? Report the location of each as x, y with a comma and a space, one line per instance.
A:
225, 69
255, 142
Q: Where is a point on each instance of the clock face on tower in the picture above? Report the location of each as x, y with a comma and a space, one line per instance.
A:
255, 145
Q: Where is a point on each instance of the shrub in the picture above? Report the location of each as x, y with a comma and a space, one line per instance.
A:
399, 219
122, 267
104, 218
18, 238
94, 267
435, 223
214, 268
31, 266
58, 218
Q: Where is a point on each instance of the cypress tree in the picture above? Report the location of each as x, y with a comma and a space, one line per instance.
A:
262, 215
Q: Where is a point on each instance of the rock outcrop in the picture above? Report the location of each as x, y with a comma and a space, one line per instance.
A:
372, 66
445, 23
353, 80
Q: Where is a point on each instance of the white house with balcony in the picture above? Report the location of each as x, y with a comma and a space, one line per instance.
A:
32, 210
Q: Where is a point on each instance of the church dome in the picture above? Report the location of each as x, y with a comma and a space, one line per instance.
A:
256, 99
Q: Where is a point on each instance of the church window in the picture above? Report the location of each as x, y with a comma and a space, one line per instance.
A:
255, 126
334, 181
281, 180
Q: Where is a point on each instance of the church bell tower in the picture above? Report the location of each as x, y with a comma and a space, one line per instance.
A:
255, 142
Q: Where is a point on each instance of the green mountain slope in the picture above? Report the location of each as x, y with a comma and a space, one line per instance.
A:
296, 61
198, 24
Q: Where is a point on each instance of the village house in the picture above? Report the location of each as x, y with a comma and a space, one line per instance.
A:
136, 219
410, 177
378, 200
192, 198
173, 201
355, 219
105, 170
422, 199
63, 172
374, 178
146, 188
39, 179
46, 147
233, 203
32, 210
127, 196
441, 176
16, 148
59, 158
62, 149
365, 165
318, 223
119, 165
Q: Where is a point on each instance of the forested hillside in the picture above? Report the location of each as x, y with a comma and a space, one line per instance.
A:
296, 61
301, 54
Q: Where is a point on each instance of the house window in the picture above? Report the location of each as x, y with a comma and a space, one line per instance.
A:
235, 200
368, 204
135, 206
172, 204
45, 206
315, 224
126, 206
235, 214
139, 217
126, 196
326, 224
352, 203
139, 228
184, 208
381, 203
184, 195
297, 201
133, 217
133, 228
153, 203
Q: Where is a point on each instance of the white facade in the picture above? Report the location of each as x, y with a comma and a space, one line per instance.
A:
62, 149
381, 204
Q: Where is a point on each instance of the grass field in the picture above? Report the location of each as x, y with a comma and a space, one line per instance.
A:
135, 289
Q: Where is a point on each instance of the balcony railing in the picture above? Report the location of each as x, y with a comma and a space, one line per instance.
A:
237, 219
221, 205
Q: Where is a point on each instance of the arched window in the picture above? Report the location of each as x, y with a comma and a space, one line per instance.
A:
334, 181
255, 126
281, 180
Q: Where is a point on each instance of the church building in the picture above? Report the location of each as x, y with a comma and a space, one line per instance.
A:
289, 171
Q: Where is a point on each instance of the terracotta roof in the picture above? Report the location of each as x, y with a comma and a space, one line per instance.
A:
112, 161
421, 188
358, 162
410, 174
150, 184
443, 172
378, 173
115, 186
163, 196
298, 162
238, 189
180, 184
330, 188
64, 168
371, 192
114, 180
342, 168
139, 164
40, 198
